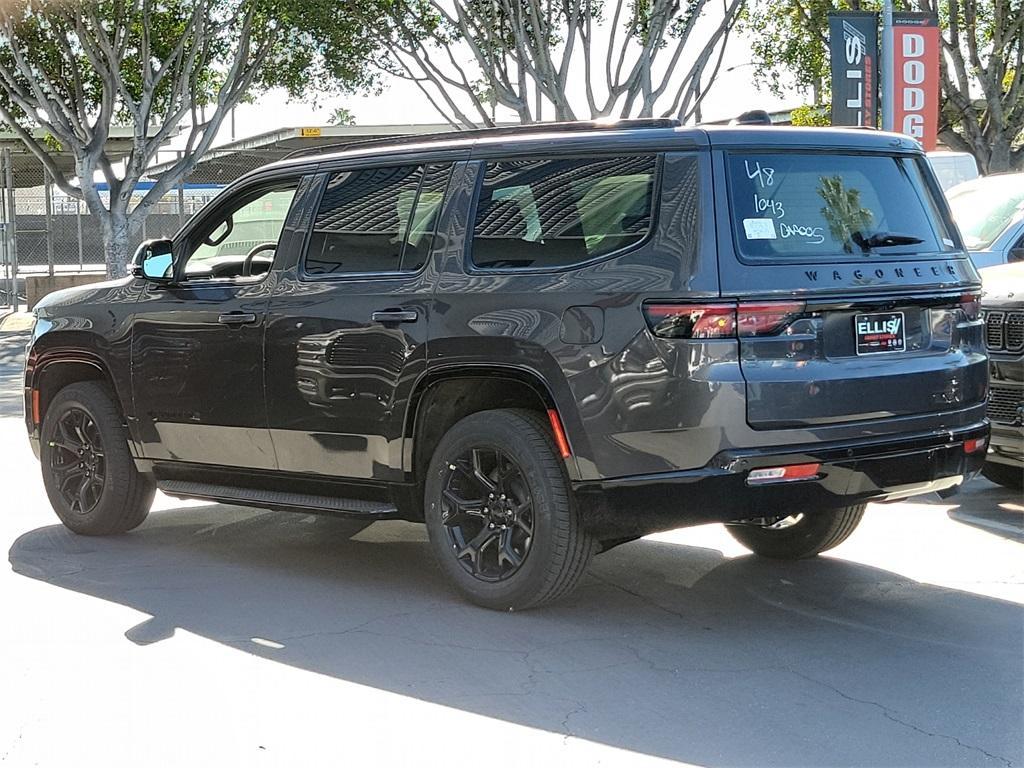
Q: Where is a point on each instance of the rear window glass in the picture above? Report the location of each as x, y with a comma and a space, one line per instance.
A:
554, 213
792, 205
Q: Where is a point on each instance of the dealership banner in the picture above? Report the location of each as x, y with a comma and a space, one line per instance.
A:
914, 76
853, 45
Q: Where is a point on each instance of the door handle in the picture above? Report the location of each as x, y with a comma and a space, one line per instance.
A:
237, 318
395, 316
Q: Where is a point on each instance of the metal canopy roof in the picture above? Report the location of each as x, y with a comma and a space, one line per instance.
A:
28, 170
227, 162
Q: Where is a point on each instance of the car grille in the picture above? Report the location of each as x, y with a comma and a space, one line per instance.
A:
1004, 331
1004, 403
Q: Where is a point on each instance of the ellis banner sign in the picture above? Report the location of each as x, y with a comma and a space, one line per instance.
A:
853, 44
914, 76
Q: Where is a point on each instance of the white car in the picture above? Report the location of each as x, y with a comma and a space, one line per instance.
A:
990, 214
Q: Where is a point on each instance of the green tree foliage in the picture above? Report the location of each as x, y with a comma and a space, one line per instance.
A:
982, 109
71, 70
342, 116
812, 115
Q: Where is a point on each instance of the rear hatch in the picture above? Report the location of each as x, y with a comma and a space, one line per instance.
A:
855, 299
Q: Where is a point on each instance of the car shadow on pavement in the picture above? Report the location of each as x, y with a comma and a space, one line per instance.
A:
667, 650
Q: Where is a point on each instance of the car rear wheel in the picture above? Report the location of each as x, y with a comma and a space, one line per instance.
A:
1005, 475
797, 536
500, 514
88, 472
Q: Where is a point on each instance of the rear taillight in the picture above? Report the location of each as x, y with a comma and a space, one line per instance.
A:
765, 318
691, 321
783, 474
720, 321
970, 303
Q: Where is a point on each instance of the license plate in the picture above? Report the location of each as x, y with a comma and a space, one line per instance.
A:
880, 332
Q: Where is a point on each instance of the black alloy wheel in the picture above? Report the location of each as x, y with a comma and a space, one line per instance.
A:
89, 473
77, 460
487, 513
500, 513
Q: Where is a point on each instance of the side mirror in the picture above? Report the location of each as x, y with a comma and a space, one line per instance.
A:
154, 261
1016, 254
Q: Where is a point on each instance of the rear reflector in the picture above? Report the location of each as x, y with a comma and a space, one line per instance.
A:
782, 474
559, 433
720, 321
975, 444
35, 407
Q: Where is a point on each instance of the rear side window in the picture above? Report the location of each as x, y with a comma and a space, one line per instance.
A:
376, 220
793, 205
546, 214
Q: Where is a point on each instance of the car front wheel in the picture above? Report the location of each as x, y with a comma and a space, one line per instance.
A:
500, 514
88, 471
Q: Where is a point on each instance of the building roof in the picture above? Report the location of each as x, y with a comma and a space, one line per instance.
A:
227, 162
28, 170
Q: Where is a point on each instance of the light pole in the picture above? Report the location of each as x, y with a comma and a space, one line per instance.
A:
888, 75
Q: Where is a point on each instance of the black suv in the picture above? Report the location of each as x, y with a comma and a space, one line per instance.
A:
541, 342
1002, 306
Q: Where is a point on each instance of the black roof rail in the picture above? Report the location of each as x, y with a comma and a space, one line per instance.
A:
505, 130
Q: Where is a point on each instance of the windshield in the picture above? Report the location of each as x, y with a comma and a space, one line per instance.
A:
789, 205
985, 209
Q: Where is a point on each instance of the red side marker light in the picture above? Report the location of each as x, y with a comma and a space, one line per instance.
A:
974, 444
35, 407
782, 474
559, 433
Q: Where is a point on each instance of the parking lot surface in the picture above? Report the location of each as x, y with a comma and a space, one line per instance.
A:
217, 635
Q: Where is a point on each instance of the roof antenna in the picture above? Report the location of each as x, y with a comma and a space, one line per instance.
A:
753, 117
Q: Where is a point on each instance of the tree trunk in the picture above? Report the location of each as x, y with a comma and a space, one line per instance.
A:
116, 244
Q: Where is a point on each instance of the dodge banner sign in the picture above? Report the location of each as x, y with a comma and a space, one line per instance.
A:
853, 41
915, 76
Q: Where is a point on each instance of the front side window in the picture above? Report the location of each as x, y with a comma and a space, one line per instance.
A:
241, 242
792, 205
377, 220
554, 213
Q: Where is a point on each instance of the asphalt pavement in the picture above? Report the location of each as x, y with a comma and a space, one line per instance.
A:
218, 635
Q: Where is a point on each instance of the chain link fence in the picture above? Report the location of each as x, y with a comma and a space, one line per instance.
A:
44, 231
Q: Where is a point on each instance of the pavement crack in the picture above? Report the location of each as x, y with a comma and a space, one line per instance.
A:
642, 597
892, 715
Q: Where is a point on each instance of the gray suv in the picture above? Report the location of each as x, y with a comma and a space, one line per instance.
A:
542, 342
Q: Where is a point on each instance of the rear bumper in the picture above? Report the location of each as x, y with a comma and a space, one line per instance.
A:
852, 472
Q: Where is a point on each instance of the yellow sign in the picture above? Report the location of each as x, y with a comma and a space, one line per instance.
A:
309, 133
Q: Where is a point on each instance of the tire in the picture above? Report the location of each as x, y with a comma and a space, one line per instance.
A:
538, 522
117, 497
1005, 475
807, 536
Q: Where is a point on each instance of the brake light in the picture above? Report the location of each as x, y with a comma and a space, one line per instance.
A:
720, 321
974, 444
691, 321
782, 474
970, 303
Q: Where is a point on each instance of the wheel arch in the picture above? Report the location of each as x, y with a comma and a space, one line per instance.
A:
51, 368
446, 395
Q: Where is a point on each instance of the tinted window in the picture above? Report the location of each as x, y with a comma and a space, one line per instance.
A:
367, 217
554, 213
792, 205
422, 228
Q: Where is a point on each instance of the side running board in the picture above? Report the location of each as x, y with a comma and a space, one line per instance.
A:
276, 499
